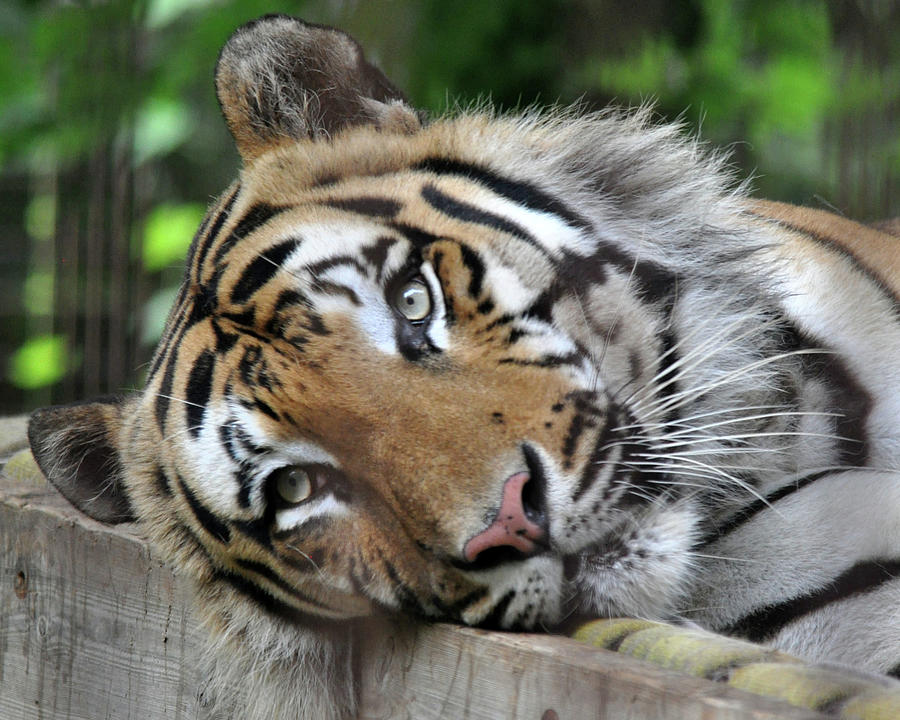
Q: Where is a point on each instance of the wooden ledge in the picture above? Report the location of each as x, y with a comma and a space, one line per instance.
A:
92, 626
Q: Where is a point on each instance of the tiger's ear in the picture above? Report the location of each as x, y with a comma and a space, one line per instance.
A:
280, 79
76, 447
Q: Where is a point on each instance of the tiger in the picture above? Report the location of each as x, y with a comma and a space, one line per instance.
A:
503, 369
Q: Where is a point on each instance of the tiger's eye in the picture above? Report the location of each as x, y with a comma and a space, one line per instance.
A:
293, 484
413, 301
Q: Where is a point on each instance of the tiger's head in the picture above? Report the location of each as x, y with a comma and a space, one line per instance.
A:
414, 365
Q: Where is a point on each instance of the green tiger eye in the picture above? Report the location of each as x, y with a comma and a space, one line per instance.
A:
293, 484
413, 300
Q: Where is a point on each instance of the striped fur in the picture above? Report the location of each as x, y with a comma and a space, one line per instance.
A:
687, 397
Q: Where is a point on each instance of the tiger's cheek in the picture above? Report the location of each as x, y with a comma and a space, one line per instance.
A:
426, 447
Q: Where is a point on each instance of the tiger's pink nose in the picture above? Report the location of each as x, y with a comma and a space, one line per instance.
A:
512, 527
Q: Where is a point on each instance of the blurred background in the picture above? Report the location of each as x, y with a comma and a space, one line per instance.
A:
111, 142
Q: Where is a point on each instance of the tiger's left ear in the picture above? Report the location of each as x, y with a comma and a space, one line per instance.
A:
280, 79
77, 449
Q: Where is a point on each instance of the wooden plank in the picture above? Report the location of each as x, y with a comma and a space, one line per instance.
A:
93, 627
444, 671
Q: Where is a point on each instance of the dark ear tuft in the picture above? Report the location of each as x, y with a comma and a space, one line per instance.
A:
279, 79
76, 447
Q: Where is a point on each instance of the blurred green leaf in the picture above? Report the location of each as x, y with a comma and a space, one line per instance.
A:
41, 361
161, 126
168, 231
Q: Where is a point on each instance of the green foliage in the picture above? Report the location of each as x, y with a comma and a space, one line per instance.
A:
41, 361
167, 234
162, 125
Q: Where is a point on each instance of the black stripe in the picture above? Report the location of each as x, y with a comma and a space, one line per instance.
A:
273, 605
205, 517
273, 577
592, 468
257, 530
505, 319
576, 428
245, 478
894, 671
476, 270
403, 595
465, 212
495, 618
669, 358
164, 393
252, 365
547, 361
376, 255
277, 324
195, 242
253, 219
261, 270
848, 399
369, 206
246, 319
162, 482
226, 437
455, 609
337, 261
267, 409
173, 333
417, 236
162, 351
750, 511
203, 303
214, 230
517, 191
330, 288
225, 341
863, 577
653, 282
198, 390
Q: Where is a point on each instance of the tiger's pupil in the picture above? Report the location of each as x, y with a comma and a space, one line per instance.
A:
414, 301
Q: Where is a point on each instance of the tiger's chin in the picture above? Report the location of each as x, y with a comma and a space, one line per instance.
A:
643, 571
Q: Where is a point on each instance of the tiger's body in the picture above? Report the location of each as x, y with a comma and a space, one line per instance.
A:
500, 371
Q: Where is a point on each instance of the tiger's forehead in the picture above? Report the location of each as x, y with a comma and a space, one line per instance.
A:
381, 218
286, 172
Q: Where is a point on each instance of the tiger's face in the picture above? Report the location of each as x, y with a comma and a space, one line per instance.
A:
402, 372
394, 395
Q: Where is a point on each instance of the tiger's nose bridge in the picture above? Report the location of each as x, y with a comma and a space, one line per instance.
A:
512, 527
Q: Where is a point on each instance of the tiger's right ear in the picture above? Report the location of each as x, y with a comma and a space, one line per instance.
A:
280, 79
77, 449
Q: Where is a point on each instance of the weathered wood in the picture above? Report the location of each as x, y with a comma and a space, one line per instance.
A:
93, 627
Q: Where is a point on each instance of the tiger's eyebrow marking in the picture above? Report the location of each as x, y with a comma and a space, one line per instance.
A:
466, 212
366, 205
253, 219
518, 191
261, 270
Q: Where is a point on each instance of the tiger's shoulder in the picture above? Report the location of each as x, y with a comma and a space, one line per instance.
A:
873, 249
